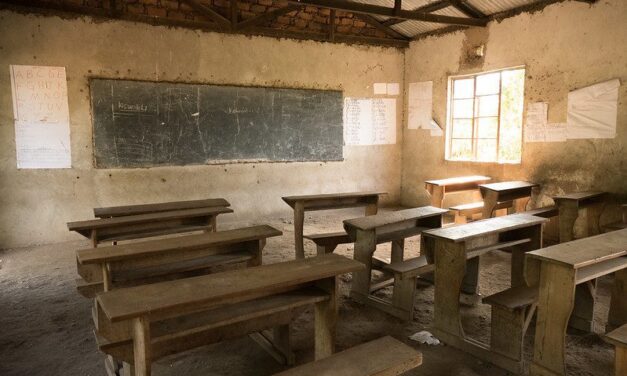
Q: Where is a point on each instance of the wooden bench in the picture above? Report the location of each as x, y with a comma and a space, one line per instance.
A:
556, 271
544, 212
120, 211
472, 211
518, 192
301, 204
327, 242
438, 189
620, 224
570, 205
141, 324
139, 226
103, 268
393, 227
618, 338
385, 356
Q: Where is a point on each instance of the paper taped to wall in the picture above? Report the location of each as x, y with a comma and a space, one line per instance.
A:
592, 111
536, 121
380, 88
42, 120
420, 105
369, 121
555, 132
394, 88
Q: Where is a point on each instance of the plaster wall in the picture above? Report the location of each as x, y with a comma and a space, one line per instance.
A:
566, 46
36, 204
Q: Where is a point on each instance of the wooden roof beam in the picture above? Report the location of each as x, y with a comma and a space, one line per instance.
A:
207, 11
377, 10
432, 7
467, 8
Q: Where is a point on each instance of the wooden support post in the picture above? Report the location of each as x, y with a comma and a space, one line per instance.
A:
450, 265
365, 246
489, 203
470, 284
398, 249
569, 212
618, 305
281, 340
325, 316
403, 295
582, 316
141, 346
437, 196
507, 331
106, 276
373, 207
299, 222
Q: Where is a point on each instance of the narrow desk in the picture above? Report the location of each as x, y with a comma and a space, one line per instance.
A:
519, 192
456, 251
119, 211
147, 225
126, 316
301, 204
437, 189
570, 205
556, 270
393, 227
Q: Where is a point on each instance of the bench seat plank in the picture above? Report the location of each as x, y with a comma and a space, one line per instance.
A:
172, 297
340, 237
118, 211
544, 212
382, 357
513, 298
618, 337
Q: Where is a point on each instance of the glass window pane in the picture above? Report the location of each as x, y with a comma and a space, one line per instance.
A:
462, 128
512, 98
461, 149
486, 150
487, 127
463, 108
488, 106
489, 83
463, 88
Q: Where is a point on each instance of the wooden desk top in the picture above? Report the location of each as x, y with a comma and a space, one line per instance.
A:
177, 244
484, 227
579, 196
291, 200
617, 337
221, 288
586, 251
459, 180
372, 222
507, 186
144, 218
116, 211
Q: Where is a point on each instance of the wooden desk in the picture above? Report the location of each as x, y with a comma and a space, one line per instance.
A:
146, 225
497, 193
156, 258
570, 205
393, 227
437, 189
556, 271
120, 211
456, 251
301, 204
128, 315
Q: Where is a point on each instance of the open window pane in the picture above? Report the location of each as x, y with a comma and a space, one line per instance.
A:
463, 108
461, 149
486, 150
462, 128
464, 88
488, 83
487, 127
488, 106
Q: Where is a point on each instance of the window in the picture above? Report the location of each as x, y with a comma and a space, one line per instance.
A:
485, 116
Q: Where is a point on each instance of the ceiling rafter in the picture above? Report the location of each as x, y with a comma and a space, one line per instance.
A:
377, 24
467, 8
266, 17
208, 11
432, 7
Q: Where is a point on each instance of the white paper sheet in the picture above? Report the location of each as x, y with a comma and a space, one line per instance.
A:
42, 124
369, 121
555, 132
436, 130
420, 105
592, 111
394, 88
535, 122
380, 88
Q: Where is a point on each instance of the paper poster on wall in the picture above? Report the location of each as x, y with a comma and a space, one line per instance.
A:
592, 111
536, 121
555, 132
369, 121
42, 121
394, 88
419, 105
380, 88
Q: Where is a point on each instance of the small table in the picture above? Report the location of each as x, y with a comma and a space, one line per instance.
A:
393, 227
570, 206
495, 193
556, 270
439, 188
301, 204
456, 251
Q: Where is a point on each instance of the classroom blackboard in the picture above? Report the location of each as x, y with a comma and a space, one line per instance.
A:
144, 124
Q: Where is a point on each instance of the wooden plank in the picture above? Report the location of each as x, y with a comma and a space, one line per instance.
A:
484, 227
290, 200
463, 181
507, 186
174, 245
515, 297
580, 196
544, 212
587, 251
618, 337
117, 211
593, 271
388, 218
227, 287
382, 357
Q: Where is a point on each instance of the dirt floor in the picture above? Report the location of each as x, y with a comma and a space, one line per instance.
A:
46, 328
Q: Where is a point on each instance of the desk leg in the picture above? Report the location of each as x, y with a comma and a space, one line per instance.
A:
520, 205
437, 196
470, 284
141, 346
618, 305
365, 245
582, 315
398, 250
299, 221
556, 301
593, 215
450, 265
567, 217
325, 317
489, 203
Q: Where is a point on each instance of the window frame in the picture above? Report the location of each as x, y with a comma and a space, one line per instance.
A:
474, 139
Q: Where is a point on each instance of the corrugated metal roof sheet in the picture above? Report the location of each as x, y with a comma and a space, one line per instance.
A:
496, 6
